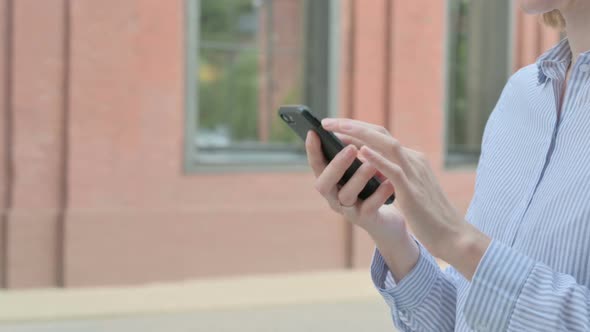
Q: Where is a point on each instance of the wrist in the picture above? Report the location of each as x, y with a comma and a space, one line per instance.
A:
396, 241
392, 234
401, 242
466, 250
401, 255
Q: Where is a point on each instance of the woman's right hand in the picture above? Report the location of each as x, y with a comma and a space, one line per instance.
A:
384, 223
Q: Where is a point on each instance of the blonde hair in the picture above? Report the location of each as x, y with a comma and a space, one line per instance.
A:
554, 19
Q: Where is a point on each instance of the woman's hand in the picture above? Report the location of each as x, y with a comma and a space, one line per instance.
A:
426, 208
384, 223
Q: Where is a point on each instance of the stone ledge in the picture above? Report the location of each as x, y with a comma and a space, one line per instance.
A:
211, 294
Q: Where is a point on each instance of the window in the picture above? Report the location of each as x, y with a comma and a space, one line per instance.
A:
480, 62
245, 58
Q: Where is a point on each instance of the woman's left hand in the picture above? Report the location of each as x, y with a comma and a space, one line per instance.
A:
419, 196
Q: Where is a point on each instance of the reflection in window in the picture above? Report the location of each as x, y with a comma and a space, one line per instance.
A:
253, 56
480, 62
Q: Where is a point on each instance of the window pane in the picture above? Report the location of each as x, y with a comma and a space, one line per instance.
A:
478, 69
255, 55
228, 89
229, 21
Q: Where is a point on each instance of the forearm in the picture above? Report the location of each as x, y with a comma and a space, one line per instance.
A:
400, 252
465, 249
422, 293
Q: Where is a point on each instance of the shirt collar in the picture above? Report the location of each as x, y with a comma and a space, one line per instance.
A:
553, 64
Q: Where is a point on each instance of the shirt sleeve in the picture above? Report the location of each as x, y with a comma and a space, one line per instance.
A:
511, 292
424, 300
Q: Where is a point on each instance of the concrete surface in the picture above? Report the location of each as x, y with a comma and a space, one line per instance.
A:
322, 301
369, 315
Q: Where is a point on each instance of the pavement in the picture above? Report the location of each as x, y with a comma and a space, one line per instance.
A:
323, 301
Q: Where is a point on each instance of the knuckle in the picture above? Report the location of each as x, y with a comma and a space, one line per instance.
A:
321, 188
388, 187
334, 206
398, 172
396, 169
395, 144
362, 131
344, 198
382, 130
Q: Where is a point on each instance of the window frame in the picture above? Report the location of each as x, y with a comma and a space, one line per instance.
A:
192, 163
458, 160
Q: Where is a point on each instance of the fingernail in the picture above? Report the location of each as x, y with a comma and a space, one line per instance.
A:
349, 150
328, 122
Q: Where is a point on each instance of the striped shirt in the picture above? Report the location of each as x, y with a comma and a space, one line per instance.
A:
532, 197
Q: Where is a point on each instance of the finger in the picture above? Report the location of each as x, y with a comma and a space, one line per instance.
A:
348, 140
350, 212
348, 194
332, 124
392, 171
328, 180
380, 175
378, 198
315, 156
380, 142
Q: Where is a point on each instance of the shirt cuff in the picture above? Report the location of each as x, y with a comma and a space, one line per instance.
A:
495, 287
413, 288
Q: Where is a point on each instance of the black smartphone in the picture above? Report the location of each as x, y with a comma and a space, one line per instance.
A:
301, 120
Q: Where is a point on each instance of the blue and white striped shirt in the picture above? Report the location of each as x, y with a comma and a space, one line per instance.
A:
532, 197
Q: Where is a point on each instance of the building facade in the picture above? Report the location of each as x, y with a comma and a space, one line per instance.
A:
95, 187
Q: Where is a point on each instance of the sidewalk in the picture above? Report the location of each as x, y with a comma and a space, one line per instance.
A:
326, 301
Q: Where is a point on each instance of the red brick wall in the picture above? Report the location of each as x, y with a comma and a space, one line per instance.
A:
99, 196
4, 136
37, 117
133, 215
